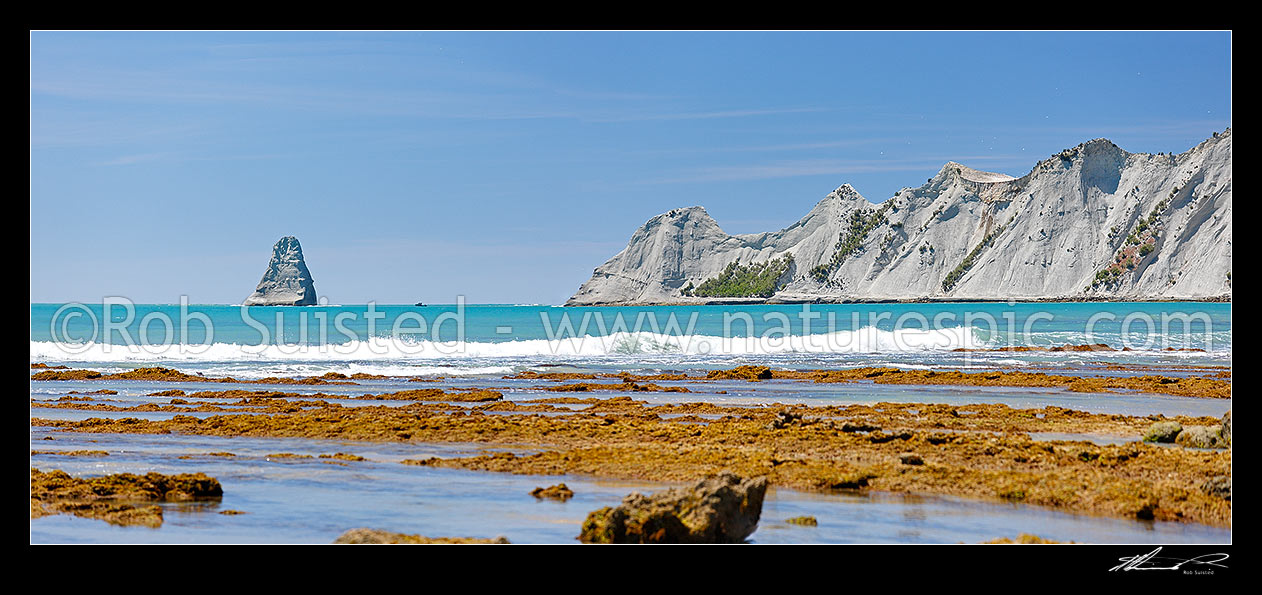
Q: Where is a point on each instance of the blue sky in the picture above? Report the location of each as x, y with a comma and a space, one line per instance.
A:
504, 167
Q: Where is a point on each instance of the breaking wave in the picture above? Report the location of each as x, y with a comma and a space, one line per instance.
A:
864, 340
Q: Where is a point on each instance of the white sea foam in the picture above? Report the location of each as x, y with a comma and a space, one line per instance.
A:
250, 371
864, 340
408, 354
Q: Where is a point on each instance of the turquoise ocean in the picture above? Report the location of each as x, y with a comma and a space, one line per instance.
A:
460, 339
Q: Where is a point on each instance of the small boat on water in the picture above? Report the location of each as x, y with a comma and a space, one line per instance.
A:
419, 304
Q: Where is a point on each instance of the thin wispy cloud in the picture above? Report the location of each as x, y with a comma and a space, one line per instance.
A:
76, 130
435, 84
708, 115
788, 147
473, 104
133, 159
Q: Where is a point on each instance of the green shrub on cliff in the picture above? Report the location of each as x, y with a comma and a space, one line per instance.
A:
861, 223
954, 276
759, 279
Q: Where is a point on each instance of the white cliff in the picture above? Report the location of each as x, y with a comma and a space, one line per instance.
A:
1092, 222
286, 282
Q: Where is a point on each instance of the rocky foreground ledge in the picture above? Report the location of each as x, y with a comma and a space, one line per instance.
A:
989, 451
1209, 382
119, 499
382, 537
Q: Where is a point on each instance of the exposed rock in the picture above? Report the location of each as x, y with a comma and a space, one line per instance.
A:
1092, 222
380, 537
287, 282
343, 456
72, 453
109, 498
1022, 539
559, 491
1163, 431
1218, 486
1201, 437
1227, 427
910, 458
719, 509
784, 419
751, 373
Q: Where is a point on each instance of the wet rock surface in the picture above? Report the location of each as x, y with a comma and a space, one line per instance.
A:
910, 458
719, 509
804, 521
1218, 486
380, 537
982, 450
559, 491
1201, 437
114, 498
1163, 431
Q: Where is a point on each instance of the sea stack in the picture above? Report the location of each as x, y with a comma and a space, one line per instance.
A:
286, 282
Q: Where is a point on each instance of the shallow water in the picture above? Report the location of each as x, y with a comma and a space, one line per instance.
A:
313, 501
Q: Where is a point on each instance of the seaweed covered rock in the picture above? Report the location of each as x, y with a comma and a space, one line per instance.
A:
910, 458
1201, 437
1022, 539
151, 486
1163, 431
722, 508
559, 491
751, 373
1226, 432
380, 537
286, 282
784, 419
1218, 486
106, 498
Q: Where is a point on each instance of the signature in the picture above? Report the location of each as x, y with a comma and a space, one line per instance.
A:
1151, 561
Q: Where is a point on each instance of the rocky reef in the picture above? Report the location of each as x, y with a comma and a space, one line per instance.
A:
380, 537
1022, 539
559, 491
286, 282
1194, 436
114, 498
977, 450
719, 509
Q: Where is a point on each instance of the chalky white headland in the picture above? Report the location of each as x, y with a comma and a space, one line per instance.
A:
1091, 223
